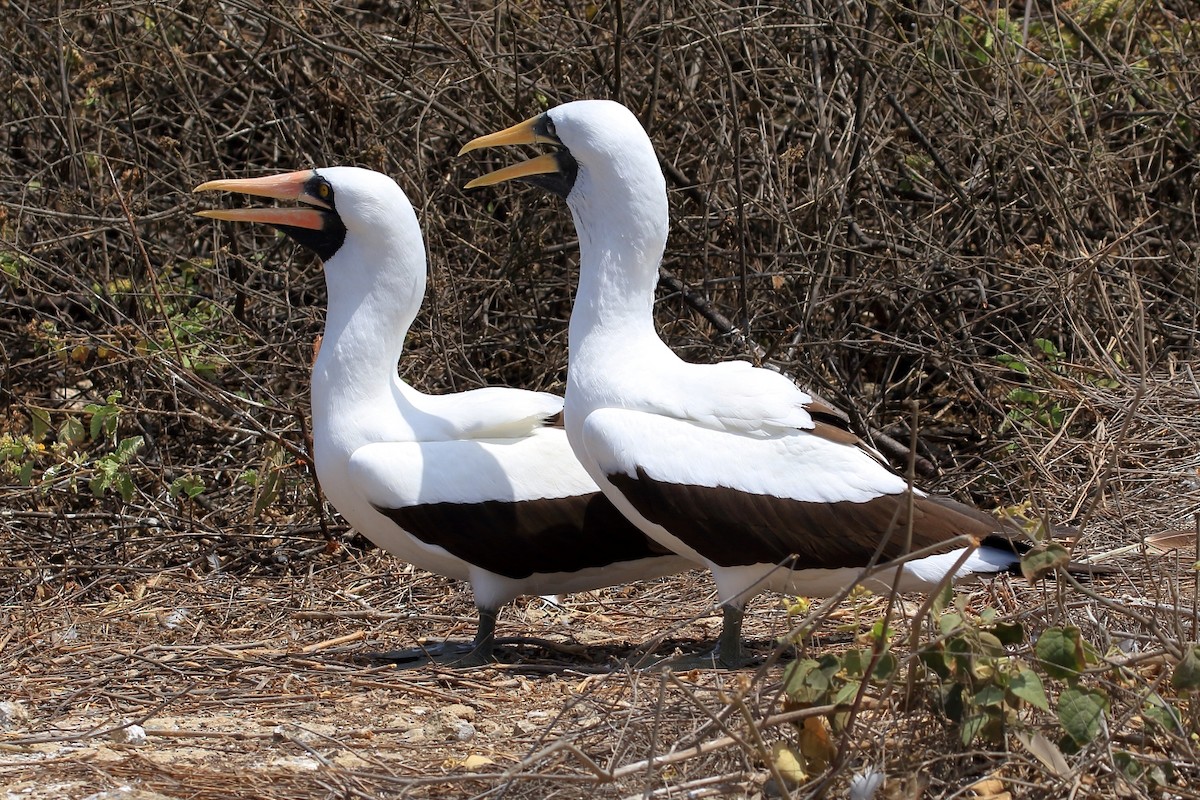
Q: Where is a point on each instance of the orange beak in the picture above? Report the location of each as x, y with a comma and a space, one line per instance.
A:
288, 186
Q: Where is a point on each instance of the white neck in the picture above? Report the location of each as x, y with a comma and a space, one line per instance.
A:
622, 236
374, 295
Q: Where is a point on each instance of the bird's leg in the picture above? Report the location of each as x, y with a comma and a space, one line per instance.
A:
730, 653
485, 640
458, 654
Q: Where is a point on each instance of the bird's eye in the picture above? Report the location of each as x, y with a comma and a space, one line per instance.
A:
324, 191
550, 131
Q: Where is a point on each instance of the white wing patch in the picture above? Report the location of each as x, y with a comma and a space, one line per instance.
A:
732, 396
403, 474
492, 412
795, 464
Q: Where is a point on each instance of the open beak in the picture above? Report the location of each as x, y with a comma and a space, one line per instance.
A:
288, 186
531, 131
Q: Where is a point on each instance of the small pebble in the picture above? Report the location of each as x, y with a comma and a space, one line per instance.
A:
12, 714
131, 734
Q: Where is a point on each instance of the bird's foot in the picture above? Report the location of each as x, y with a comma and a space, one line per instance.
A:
712, 659
447, 653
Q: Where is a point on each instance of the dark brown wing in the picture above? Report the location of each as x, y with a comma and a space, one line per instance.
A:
519, 538
735, 528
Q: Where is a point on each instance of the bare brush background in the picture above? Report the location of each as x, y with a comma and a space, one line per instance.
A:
989, 210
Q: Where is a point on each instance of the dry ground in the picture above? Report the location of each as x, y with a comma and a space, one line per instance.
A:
986, 208
258, 688
254, 680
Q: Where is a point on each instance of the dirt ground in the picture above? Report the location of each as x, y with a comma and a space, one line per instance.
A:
209, 682
265, 688
987, 210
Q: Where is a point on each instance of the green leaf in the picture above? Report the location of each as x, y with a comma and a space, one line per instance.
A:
1026, 397
943, 599
99, 484
949, 623
990, 695
1186, 677
973, 727
885, 667
1060, 651
1028, 686
1159, 712
1013, 363
1081, 713
104, 417
128, 447
1128, 765
187, 486
959, 655
1009, 633
847, 693
952, 701
854, 661
124, 484
804, 681
1042, 559
1049, 349
990, 645
71, 431
934, 658
112, 472
268, 490
40, 423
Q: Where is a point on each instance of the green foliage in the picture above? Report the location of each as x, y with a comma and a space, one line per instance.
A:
1061, 652
1081, 713
104, 416
837, 679
980, 686
267, 481
1037, 402
1186, 677
193, 328
186, 487
17, 456
986, 677
112, 470
1033, 405
985, 682
997, 49
1133, 770
1043, 559
13, 266
73, 451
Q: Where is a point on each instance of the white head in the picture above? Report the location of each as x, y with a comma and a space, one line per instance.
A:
604, 166
359, 222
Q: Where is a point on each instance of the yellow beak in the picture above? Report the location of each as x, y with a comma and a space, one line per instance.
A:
521, 133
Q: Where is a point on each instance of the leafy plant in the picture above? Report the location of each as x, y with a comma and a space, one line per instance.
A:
17, 456
62, 452
104, 416
112, 470
186, 487
267, 481
837, 679
981, 686
1032, 405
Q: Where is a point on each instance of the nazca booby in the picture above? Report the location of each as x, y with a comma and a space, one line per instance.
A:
728, 464
474, 485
